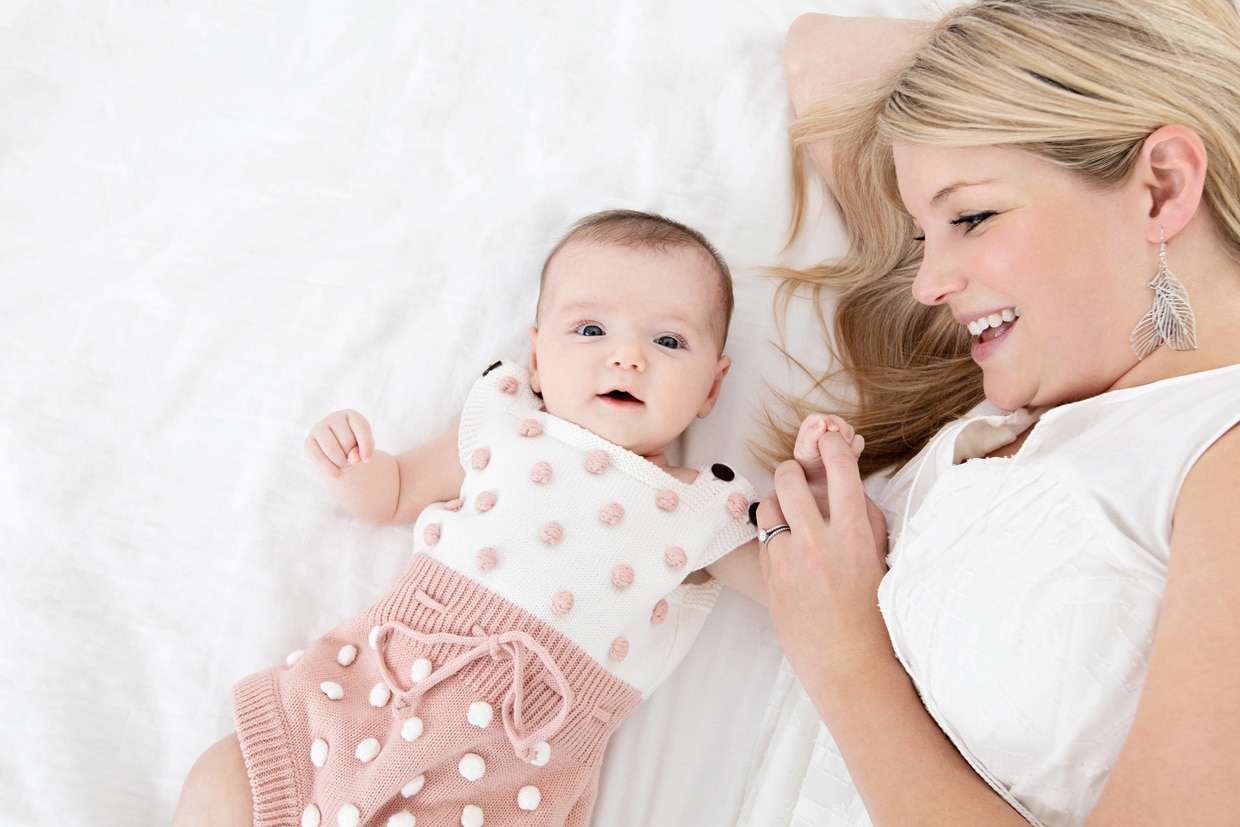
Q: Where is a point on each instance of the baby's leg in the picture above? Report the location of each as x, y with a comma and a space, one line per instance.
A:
217, 789
806, 451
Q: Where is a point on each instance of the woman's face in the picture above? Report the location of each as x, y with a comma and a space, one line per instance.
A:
1049, 274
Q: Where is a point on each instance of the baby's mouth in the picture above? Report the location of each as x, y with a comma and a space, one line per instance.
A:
622, 396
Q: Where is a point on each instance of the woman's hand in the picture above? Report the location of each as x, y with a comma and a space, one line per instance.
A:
821, 578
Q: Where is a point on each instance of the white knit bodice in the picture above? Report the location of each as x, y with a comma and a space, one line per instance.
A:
587, 536
1023, 596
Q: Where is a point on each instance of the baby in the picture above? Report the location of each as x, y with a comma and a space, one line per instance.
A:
550, 586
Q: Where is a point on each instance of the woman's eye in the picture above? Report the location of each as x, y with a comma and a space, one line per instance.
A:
971, 221
670, 342
590, 329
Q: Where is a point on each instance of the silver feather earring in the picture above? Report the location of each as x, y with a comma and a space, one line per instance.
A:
1170, 321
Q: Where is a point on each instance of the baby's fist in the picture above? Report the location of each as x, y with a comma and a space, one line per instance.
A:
339, 440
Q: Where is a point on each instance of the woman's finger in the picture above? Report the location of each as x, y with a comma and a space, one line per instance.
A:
796, 501
845, 491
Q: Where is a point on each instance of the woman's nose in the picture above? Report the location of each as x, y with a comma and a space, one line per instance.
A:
936, 280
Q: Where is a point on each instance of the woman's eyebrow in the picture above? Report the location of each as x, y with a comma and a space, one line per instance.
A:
951, 188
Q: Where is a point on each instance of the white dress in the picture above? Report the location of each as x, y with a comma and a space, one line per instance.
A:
1022, 598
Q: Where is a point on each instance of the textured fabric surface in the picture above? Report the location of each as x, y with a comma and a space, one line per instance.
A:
425, 743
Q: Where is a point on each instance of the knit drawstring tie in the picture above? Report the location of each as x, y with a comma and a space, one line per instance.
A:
517, 646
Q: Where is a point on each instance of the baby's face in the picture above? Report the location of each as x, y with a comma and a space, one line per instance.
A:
626, 346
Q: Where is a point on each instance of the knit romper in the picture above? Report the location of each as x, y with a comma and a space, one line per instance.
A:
540, 607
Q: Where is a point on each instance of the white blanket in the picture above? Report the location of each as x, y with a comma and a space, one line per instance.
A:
220, 222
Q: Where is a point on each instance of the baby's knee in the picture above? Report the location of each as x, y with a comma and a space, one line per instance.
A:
217, 790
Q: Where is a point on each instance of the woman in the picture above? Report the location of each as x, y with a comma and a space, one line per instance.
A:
1055, 183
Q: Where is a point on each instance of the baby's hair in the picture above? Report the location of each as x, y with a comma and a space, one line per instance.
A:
632, 228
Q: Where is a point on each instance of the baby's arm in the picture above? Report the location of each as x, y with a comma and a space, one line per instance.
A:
377, 486
740, 571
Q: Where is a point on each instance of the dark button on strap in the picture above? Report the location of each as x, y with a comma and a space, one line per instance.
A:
723, 472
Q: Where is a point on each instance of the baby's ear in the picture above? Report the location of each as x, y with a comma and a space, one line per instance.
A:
532, 333
721, 370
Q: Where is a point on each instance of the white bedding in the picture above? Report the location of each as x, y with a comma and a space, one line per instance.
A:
218, 223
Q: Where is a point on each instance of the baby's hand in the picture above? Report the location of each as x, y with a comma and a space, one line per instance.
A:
806, 451
341, 439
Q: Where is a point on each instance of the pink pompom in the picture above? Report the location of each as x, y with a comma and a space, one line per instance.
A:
486, 559
619, 649
453, 505
507, 384
597, 462
479, 459
667, 500
611, 513
484, 501
430, 534
552, 533
623, 576
529, 427
659, 614
562, 603
676, 557
541, 473
738, 504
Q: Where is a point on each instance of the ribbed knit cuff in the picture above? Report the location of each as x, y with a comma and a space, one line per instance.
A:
264, 738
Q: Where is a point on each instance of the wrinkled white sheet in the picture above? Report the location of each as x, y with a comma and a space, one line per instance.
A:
221, 221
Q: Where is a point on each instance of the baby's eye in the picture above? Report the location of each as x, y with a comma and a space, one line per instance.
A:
589, 329
670, 342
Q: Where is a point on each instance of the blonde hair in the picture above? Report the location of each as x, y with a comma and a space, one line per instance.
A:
1078, 83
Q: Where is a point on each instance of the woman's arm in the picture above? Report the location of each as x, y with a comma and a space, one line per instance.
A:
826, 56
821, 584
1181, 762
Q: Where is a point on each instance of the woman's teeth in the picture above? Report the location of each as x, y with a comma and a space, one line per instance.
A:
1008, 314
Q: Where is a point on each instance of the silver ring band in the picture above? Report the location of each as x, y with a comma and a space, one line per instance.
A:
765, 534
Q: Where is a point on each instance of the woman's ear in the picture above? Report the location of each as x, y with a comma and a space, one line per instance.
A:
532, 333
1172, 167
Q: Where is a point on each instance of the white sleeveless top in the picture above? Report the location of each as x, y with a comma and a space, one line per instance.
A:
1022, 597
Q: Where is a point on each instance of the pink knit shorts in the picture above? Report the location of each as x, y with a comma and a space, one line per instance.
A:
443, 703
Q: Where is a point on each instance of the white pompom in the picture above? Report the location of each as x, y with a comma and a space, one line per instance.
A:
318, 752
380, 694
542, 754
529, 797
292, 659
346, 655
310, 817
367, 750
472, 766
332, 690
421, 670
413, 787
471, 816
411, 729
349, 816
402, 819
481, 714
